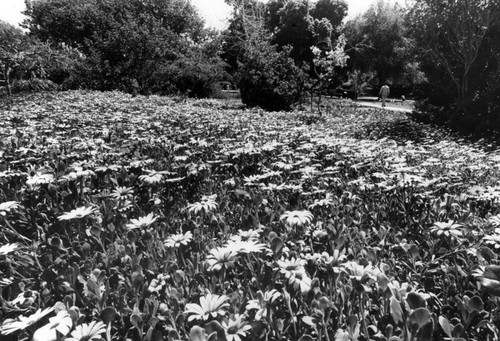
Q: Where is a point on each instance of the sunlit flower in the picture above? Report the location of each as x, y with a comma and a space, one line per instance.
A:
87, 332
94, 286
26, 298
151, 178
246, 246
142, 221
495, 220
8, 248
283, 165
449, 229
206, 204
289, 267
60, 324
361, 275
157, 283
176, 240
293, 270
326, 202
77, 213
10, 326
246, 235
221, 258
235, 328
7, 206
324, 260
141, 163
493, 239
272, 187
39, 179
263, 302
78, 173
297, 218
122, 193
6, 281
108, 168
358, 271
210, 306
300, 280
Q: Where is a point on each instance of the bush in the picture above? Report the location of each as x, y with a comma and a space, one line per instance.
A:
270, 79
132, 45
186, 76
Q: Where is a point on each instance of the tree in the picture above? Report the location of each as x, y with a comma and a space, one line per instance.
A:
296, 29
270, 79
333, 10
325, 65
452, 34
13, 42
79, 22
272, 46
30, 64
131, 45
377, 42
246, 29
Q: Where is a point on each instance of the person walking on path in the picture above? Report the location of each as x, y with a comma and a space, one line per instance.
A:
384, 93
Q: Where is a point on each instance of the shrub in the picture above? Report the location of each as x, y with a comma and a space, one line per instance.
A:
186, 76
270, 79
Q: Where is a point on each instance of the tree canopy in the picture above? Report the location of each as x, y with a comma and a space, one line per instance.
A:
123, 39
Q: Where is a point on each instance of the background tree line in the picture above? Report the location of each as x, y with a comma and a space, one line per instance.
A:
444, 53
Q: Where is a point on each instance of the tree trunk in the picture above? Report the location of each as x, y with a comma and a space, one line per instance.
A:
6, 73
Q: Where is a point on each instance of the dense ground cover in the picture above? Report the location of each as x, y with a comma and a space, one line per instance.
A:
153, 218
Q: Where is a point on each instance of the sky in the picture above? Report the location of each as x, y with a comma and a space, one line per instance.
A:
215, 12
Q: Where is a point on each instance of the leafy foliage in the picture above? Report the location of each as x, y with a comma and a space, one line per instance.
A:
135, 46
153, 218
459, 50
27, 64
377, 41
284, 32
270, 79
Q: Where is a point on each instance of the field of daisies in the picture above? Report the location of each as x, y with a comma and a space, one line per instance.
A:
154, 218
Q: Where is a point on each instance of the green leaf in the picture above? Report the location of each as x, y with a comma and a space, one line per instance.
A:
309, 321
197, 334
459, 330
425, 333
173, 335
446, 326
94, 288
108, 314
242, 193
491, 286
136, 320
419, 317
277, 246
492, 272
415, 300
215, 327
396, 311
486, 253
383, 282
476, 304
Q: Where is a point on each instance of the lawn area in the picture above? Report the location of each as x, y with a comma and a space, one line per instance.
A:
156, 218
